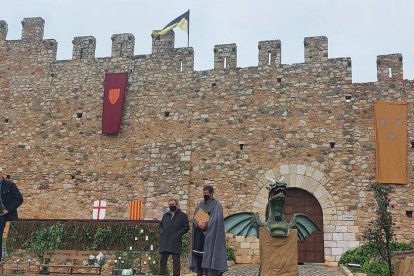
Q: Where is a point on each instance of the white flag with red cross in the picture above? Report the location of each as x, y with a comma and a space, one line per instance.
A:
99, 209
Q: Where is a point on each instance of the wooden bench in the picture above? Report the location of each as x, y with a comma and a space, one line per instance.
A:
68, 262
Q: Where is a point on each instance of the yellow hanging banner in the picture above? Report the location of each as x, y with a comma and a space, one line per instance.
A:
391, 142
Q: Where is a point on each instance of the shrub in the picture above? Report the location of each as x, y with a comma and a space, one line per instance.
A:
186, 245
49, 237
360, 255
376, 268
231, 254
402, 246
366, 257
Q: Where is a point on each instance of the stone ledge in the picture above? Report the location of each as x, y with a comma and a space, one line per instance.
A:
347, 272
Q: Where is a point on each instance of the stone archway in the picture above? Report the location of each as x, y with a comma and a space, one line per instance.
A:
313, 181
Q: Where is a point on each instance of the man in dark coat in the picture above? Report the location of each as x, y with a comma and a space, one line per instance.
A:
173, 226
208, 254
10, 199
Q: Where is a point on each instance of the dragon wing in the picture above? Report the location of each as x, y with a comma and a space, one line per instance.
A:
243, 224
305, 225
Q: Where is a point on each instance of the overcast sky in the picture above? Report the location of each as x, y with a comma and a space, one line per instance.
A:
360, 29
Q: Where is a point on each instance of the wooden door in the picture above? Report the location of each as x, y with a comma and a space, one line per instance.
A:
301, 201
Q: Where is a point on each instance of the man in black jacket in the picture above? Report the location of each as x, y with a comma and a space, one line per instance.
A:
10, 200
173, 226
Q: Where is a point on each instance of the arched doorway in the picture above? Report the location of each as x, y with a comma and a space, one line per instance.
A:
301, 201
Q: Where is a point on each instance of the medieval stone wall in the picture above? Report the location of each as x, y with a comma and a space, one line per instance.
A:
183, 129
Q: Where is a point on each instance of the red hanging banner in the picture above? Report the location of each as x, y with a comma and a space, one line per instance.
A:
114, 96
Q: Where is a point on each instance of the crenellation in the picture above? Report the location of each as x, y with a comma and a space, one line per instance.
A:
123, 45
389, 67
33, 29
84, 47
183, 59
50, 48
340, 70
316, 49
3, 30
270, 53
225, 56
163, 44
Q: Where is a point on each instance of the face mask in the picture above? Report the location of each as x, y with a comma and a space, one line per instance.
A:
173, 208
206, 197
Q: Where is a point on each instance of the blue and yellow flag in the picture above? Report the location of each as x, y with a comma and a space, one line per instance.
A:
181, 22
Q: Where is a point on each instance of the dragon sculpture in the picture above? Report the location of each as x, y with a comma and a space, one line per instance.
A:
248, 223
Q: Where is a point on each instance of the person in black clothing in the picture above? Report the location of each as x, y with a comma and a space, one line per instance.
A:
10, 200
173, 226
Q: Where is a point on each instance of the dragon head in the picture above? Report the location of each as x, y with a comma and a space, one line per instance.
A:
277, 189
275, 220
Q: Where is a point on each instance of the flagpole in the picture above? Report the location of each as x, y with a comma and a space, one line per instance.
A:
99, 173
188, 32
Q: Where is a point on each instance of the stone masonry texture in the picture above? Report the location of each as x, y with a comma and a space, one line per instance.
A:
229, 127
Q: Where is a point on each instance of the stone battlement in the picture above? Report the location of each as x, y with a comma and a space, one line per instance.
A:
182, 59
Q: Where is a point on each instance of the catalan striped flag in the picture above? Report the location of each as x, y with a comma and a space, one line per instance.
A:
135, 209
182, 22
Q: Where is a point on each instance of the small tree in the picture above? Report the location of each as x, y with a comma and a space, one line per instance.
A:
379, 234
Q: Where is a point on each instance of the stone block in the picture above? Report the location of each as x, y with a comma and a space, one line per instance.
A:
328, 236
309, 171
337, 251
245, 245
284, 169
348, 244
337, 236
269, 174
262, 179
330, 258
353, 229
291, 181
331, 263
300, 169
330, 244
317, 175
254, 245
247, 259
292, 168
240, 239
255, 259
319, 192
341, 229
252, 239
349, 236
299, 181
310, 185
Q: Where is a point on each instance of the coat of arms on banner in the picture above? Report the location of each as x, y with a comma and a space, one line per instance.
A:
99, 209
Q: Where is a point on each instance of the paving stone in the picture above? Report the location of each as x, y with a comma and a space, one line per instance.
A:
304, 270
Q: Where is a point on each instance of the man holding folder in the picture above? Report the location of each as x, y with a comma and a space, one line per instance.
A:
208, 252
